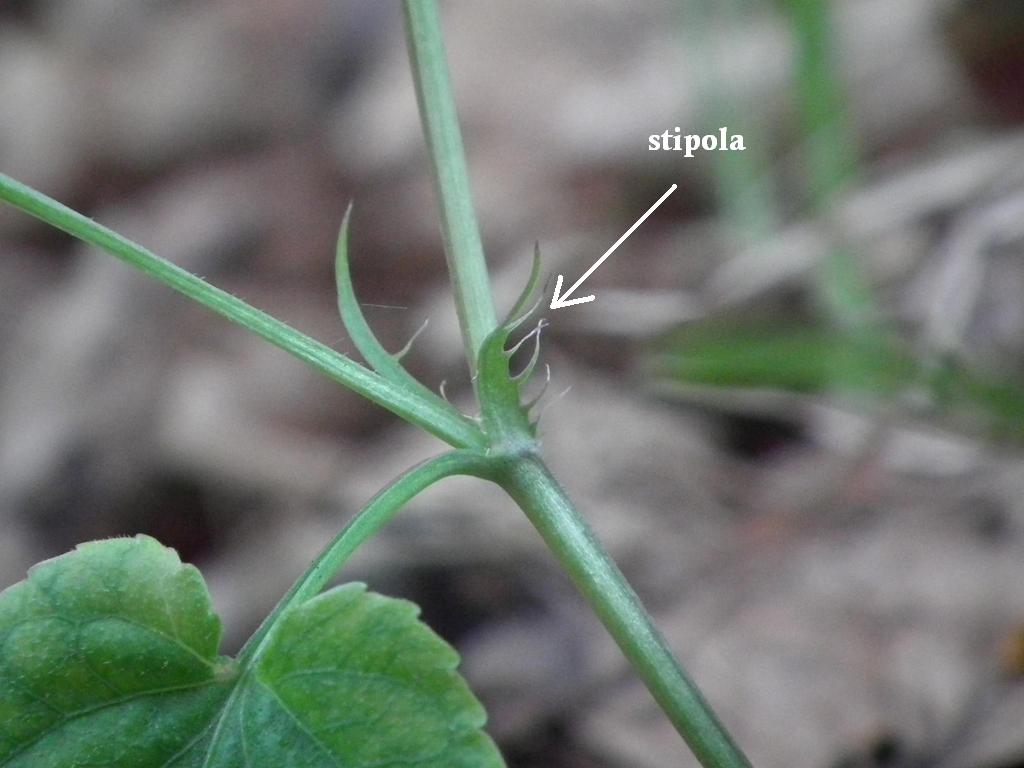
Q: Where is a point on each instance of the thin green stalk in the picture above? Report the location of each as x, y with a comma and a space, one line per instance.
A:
830, 153
744, 184
445, 422
463, 248
528, 481
367, 522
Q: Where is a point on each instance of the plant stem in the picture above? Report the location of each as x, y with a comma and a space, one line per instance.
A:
367, 522
446, 423
744, 184
830, 155
524, 476
528, 481
463, 248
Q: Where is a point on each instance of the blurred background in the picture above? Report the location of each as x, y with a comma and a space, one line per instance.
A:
794, 412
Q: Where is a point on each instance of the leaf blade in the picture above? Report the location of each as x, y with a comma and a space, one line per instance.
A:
72, 646
416, 697
108, 656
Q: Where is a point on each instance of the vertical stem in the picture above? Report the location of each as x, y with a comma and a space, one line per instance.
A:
463, 248
526, 478
831, 154
528, 481
743, 181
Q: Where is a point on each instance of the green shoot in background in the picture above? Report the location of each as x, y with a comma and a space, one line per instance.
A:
849, 352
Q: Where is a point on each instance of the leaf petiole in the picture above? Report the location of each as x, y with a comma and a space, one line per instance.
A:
435, 416
367, 522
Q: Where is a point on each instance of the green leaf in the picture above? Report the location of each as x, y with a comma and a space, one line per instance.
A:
383, 362
108, 657
524, 304
506, 419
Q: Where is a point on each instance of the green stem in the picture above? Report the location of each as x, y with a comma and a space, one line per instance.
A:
463, 248
831, 149
448, 424
831, 154
525, 478
743, 181
367, 522
567, 534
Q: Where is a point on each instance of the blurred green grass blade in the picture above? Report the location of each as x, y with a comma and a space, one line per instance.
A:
806, 360
864, 365
744, 184
994, 402
844, 290
829, 153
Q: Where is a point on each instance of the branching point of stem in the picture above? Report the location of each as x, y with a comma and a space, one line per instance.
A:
507, 424
366, 524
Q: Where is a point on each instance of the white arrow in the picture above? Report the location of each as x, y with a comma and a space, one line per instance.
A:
563, 300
